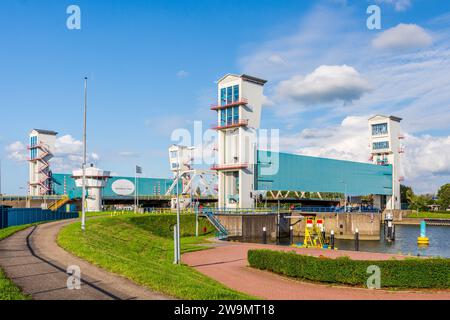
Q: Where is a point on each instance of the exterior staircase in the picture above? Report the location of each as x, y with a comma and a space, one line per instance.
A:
222, 231
58, 204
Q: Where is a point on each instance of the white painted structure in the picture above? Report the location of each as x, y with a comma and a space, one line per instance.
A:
385, 138
95, 182
181, 159
41, 149
239, 102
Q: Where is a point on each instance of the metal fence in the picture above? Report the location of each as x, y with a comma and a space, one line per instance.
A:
19, 216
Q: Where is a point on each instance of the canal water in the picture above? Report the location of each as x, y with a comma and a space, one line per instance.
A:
405, 242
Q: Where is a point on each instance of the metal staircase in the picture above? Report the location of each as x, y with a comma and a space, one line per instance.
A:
43, 158
58, 204
222, 231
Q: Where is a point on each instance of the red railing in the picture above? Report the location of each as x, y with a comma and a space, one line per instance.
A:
240, 123
240, 102
233, 166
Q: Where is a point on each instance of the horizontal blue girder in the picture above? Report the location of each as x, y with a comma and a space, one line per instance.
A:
285, 171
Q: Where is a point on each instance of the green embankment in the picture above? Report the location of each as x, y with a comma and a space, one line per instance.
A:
140, 247
8, 291
408, 273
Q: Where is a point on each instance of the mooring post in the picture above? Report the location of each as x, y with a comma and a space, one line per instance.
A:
264, 235
291, 234
332, 239
356, 240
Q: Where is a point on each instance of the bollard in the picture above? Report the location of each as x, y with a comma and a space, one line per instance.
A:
332, 239
291, 234
264, 235
389, 232
356, 240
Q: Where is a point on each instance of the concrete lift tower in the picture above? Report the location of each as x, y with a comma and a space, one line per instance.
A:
239, 102
181, 164
385, 137
41, 148
95, 181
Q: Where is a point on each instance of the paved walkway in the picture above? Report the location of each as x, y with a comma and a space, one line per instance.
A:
35, 263
227, 263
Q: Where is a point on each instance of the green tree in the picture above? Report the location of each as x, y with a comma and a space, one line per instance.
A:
418, 202
403, 194
444, 196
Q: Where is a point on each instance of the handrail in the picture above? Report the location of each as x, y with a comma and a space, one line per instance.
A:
241, 101
239, 123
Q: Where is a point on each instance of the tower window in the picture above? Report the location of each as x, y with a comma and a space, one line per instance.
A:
223, 116
229, 95
235, 93
235, 115
381, 145
379, 129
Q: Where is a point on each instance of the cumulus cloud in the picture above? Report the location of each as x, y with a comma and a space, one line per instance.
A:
17, 151
425, 164
403, 37
68, 153
399, 5
325, 84
276, 59
182, 74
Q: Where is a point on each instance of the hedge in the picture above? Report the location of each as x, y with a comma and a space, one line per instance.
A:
408, 273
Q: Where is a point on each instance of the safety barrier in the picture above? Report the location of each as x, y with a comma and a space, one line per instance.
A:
19, 216
336, 209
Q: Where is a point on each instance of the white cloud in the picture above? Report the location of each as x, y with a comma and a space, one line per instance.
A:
68, 154
129, 154
325, 84
399, 5
17, 151
276, 59
425, 164
182, 74
67, 145
403, 37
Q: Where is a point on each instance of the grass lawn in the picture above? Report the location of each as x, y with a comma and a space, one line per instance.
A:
430, 215
140, 247
8, 291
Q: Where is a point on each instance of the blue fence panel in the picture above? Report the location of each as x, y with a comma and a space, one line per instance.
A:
20, 216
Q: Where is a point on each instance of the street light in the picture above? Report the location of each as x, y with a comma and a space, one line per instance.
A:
177, 234
83, 197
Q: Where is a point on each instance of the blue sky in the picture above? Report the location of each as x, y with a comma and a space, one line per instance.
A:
152, 67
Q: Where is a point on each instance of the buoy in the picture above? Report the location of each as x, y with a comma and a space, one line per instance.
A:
423, 239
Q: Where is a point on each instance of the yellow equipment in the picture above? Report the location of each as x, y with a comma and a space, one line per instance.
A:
313, 234
58, 204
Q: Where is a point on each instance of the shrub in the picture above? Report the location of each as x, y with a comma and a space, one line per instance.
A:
408, 273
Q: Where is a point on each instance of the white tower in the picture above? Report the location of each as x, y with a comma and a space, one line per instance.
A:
238, 116
42, 146
95, 182
385, 136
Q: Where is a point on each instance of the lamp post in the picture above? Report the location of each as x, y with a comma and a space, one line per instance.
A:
83, 196
177, 234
